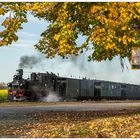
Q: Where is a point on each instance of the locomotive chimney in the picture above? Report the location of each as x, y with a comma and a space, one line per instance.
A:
20, 72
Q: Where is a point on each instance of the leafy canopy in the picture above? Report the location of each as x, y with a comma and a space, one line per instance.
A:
111, 28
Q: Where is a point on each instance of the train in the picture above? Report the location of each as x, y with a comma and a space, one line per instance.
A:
40, 85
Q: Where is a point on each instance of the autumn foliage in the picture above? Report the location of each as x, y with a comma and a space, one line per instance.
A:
74, 124
111, 29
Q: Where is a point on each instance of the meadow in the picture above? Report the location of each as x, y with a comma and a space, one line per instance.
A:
3, 94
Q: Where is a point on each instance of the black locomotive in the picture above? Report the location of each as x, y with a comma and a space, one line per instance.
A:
39, 85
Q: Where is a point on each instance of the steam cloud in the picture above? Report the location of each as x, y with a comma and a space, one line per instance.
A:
79, 67
52, 97
105, 70
30, 62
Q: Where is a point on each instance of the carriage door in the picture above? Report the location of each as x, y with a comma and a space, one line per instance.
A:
62, 88
123, 92
97, 91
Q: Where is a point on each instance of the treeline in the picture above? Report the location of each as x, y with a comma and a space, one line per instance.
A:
3, 85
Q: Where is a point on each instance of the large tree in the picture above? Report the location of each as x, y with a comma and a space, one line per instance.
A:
111, 29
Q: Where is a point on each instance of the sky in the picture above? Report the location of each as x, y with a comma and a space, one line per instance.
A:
77, 67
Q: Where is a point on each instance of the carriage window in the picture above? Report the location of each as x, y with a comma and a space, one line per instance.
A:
106, 87
123, 86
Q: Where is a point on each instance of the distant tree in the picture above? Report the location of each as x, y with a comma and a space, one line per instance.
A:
112, 28
3, 85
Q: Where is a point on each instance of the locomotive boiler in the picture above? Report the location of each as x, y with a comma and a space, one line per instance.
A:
33, 88
39, 85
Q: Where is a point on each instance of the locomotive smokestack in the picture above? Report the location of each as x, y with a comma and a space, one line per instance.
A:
20, 71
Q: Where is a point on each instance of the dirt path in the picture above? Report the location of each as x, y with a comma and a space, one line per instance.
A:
12, 112
66, 107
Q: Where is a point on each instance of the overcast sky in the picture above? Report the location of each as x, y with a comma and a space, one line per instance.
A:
77, 67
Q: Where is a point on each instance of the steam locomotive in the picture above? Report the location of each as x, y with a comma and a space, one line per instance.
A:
39, 85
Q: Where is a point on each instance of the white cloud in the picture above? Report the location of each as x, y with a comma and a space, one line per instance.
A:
21, 43
25, 43
27, 34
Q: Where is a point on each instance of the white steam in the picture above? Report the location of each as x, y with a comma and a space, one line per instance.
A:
52, 97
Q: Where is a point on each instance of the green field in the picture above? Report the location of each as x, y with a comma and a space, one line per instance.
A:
3, 94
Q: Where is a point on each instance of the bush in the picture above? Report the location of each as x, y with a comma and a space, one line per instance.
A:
3, 94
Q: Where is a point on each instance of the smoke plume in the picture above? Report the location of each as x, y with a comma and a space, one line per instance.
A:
79, 67
30, 62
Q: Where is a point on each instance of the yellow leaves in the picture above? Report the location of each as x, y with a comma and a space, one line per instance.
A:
113, 14
64, 5
101, 18
62, 50
6, 22
110, 46
95, 9
119, 39
69, 26
66, 48
2, 11
107, 25
108, 39
116, 127
124, 15
124, 28
56, 37
62, 42
124, 39
134, 40
127, 39
79, 7
3, 42
37, 6
137, 4
71, 124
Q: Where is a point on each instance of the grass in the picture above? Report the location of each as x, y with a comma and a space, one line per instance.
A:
3, 94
